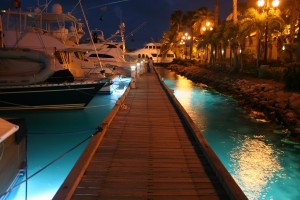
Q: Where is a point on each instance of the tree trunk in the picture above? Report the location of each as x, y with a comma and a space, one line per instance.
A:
235, 21
217, 13
298, 41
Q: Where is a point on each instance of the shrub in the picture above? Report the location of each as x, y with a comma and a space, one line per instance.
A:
292, 76
275, 73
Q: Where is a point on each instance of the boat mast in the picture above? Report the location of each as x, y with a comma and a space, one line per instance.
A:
90, 34
122, 29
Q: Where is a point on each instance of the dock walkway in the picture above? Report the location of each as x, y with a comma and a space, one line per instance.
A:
147, 151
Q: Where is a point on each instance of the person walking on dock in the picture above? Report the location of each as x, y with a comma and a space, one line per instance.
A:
150, 65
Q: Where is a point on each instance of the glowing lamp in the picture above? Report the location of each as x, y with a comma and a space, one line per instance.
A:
260, 3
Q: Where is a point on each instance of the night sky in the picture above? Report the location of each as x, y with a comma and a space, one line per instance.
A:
145, 20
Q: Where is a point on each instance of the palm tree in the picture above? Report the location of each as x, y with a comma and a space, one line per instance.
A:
298, 40
254, 22
234, 43
176, 20
171, 38
217, 12
201, 16
188, 22
234, 12
295, 13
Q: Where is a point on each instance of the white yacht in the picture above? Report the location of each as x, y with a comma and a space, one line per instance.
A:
37, 69
152, 50
110, 51
55, 33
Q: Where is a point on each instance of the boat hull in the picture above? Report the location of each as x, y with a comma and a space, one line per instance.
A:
49, 96
13, 148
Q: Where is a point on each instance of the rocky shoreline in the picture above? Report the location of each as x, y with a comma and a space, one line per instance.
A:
267, 96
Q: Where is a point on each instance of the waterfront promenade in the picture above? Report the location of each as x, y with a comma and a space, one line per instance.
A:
148, 148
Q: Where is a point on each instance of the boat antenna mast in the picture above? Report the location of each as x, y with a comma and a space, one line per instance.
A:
90, 34
122, 29
135, 30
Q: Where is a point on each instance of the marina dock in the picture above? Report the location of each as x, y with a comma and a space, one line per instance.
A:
148, 148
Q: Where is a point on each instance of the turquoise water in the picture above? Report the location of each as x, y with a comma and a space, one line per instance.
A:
53, 133
245, 143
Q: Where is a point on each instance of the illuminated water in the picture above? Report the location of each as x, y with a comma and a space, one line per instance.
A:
51, 134
262, 166
252, 153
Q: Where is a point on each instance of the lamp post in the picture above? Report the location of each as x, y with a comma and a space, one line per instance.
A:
206, 27
266, 7
185, 38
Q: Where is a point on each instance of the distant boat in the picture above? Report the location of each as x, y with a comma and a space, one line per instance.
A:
12, 152
152, 50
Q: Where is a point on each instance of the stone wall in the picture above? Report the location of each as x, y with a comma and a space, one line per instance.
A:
267, 96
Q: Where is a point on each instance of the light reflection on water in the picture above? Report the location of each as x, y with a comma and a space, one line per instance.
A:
255, 164
245, 143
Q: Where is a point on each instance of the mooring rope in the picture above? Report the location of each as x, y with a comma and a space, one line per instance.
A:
98, 129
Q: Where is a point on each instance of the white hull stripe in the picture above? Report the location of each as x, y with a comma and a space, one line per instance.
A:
54, 90
56, 107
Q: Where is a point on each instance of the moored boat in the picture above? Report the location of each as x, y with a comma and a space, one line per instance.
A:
153, 50
25, 66
55, 33
30, 80
39, 72
12, 152
74, 95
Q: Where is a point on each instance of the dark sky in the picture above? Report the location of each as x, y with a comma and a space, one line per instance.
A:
106, 15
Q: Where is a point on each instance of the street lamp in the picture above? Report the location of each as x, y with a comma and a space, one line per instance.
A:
207, 26
185, 38
266, 7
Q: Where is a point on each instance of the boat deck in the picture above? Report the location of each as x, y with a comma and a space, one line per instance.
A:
147, 149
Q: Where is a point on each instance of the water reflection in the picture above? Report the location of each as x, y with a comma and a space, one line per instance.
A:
255, 164
184, 87
246, 144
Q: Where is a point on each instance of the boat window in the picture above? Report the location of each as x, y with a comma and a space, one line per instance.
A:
150, 47
143, 55
158, 47
139, 56
79, 55
58, 56
105, 56
160, 55
101, 56
111, 46
154, 55
170, 55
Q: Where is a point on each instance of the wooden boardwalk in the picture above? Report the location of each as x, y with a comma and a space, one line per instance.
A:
147, 151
